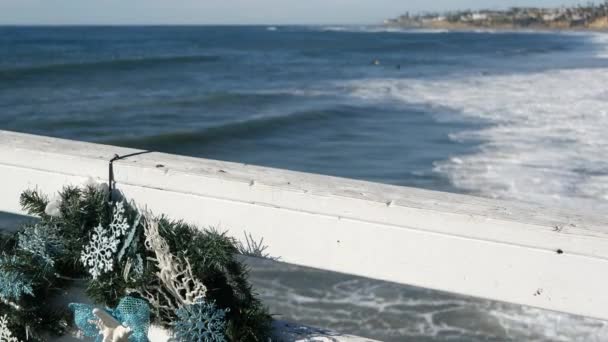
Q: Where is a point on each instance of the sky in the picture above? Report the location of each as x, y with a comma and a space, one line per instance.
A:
213, 12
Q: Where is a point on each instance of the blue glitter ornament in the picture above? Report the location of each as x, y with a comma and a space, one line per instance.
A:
41, 241
131, 312
13, 284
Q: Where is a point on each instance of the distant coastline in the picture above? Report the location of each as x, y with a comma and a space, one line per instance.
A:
591, 18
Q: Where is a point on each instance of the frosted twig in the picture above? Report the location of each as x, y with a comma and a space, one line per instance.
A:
177, 285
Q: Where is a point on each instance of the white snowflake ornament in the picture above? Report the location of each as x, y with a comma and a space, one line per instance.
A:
98, 255
119, 225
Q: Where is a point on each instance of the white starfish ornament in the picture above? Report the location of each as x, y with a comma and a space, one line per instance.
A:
110, 328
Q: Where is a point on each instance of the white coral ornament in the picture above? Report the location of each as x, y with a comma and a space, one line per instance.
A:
177, 284
5, 334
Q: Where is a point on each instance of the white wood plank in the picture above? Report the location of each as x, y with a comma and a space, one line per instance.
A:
461, 244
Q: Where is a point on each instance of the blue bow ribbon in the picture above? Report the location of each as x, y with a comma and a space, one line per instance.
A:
131, 312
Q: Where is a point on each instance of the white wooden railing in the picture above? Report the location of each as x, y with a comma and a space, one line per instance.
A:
518, 253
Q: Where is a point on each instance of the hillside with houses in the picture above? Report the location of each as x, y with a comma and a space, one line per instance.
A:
590, 17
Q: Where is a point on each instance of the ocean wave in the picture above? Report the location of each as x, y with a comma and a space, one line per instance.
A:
392, 312
379, 29
224, 99
601, 41
429, 30
527, 323
110, 64
230, 130
543, 135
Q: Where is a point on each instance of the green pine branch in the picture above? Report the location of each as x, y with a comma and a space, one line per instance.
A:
212, 254
34, 203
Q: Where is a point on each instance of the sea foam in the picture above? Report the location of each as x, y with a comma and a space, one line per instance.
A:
601, 41
379, 29
542, 136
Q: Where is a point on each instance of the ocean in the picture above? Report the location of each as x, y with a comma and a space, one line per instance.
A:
512, 115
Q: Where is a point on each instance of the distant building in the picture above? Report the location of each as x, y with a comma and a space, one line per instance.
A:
551, 16
577, 17
479, 16
516, 16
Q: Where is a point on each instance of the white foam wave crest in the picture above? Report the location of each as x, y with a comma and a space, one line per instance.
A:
532, 324
543, 136
601, 39
380, 29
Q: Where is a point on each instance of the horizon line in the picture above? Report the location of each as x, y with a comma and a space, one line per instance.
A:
178, 24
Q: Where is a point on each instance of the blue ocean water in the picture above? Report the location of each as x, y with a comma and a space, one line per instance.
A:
512, 115
303, 98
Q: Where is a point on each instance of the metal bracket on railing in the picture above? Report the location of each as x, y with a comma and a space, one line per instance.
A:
111, 181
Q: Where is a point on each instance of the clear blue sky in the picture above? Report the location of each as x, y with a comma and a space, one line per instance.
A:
234, 11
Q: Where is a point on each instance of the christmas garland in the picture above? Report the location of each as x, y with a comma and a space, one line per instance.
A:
139, 269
